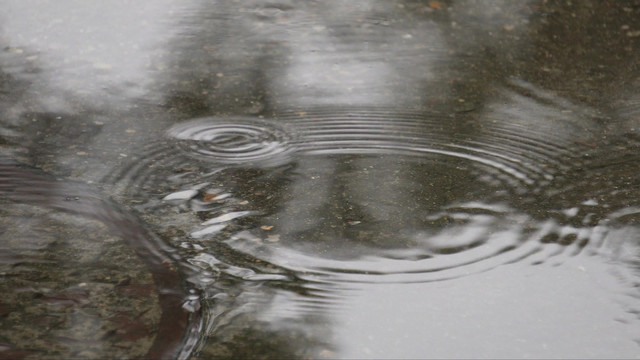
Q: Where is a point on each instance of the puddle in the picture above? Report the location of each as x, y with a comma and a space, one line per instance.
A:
357, 179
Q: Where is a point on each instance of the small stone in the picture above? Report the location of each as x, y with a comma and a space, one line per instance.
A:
273, 238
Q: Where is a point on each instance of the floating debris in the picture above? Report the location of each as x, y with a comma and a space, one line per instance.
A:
181, 195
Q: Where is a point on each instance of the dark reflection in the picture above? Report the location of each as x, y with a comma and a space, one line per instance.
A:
64, 241
261, 58
590, 57
47, 259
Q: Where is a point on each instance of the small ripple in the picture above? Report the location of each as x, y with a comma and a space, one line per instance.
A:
238, 141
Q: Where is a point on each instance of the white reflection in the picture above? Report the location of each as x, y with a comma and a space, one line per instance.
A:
505, 313
89, 46
355, 58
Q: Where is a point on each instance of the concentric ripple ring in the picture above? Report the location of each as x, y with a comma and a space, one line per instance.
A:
496, 170
233, 141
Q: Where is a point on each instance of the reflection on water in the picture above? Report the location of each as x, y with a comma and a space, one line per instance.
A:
339, 179
73, 288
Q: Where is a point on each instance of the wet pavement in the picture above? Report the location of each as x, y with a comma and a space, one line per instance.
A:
320, 179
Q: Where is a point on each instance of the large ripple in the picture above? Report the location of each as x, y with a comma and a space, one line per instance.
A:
373, 195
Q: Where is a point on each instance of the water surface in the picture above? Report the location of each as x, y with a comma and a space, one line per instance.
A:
343, 179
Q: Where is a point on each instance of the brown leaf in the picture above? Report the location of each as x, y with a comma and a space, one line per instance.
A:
208, 197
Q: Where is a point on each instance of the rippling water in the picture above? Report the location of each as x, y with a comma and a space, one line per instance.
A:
379, 179
332, 202
399, 194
